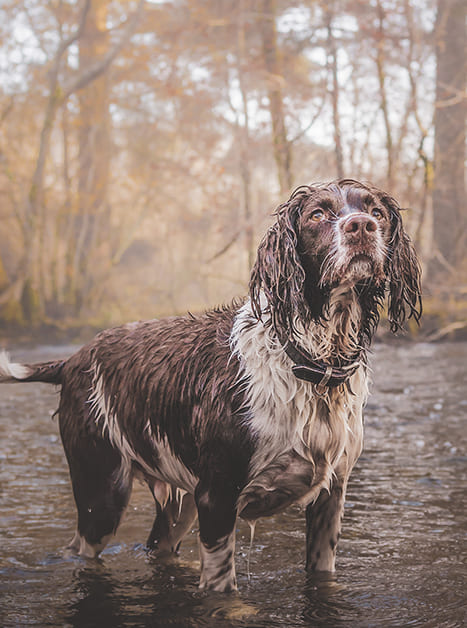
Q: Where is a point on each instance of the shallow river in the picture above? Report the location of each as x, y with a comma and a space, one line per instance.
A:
401, 560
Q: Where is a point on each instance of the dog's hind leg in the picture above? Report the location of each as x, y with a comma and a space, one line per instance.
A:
101, 490
175, 515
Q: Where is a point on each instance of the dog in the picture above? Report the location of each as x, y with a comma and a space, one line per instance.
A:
248, 408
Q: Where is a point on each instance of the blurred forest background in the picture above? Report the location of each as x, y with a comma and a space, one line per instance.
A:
145, 145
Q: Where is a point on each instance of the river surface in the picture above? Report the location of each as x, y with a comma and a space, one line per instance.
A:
401, 559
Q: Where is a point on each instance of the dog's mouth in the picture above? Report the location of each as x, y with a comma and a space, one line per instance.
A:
360, 262
361, 258
354, 266
361, 267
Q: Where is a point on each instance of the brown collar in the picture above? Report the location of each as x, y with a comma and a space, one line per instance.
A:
317, 371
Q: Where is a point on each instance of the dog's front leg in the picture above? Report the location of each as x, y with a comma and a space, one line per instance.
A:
217, 515
323, 526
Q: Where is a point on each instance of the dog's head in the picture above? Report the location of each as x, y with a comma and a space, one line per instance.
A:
345, 232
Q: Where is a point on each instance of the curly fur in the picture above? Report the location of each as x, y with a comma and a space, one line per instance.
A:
279, 273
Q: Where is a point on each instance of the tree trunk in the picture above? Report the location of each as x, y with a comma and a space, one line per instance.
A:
281, 145
332, 68
380, 63
450, 219
94, 156
244, 140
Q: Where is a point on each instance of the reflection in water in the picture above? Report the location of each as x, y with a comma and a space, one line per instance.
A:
327, 603
400, 561
96, 599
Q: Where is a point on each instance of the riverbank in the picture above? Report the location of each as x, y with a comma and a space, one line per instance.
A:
438, 323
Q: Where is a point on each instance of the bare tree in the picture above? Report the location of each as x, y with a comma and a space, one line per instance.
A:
281, 144
329, 12
244, 136
381, 71
449, 198
27, 289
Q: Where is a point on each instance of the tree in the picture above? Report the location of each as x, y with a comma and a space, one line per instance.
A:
27, 291
94, 158
168, 153
449, 194
329, 12
281, 145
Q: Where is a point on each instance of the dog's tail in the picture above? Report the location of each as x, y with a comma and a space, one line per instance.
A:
48, 372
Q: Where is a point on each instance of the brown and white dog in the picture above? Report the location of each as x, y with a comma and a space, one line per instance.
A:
247, 409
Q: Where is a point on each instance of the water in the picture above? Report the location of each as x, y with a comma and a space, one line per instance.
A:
401, 559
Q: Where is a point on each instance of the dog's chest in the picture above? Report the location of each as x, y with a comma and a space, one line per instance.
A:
305, 444
303, 435
285, 413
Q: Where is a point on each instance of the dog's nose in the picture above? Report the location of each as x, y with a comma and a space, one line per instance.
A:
360, 224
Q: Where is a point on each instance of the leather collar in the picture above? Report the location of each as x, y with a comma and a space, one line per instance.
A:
317, 371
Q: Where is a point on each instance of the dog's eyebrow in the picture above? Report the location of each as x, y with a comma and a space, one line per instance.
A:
327, 203
369, 199
325, 200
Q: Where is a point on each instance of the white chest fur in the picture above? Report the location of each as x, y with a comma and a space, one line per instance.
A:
300, 430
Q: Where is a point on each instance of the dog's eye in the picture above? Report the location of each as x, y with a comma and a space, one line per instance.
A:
377, 213
317, 215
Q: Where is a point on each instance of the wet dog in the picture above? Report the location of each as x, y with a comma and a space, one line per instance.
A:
249, 408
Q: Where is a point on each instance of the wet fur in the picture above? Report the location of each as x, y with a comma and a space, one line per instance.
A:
206, 408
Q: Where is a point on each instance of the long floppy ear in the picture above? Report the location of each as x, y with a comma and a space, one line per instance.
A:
403, 270
278, 271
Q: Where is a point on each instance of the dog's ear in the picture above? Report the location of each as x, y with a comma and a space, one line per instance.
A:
403, 271
278, 271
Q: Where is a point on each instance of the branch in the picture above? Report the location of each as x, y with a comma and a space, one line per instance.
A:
225, 248
306, 128
66, 43
444, 331
6, 110
459, 96
88, 75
